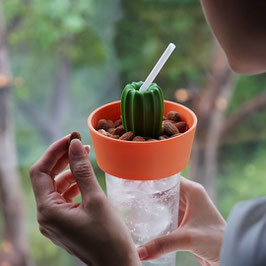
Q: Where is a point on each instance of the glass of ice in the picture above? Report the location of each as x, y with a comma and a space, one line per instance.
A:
149, 209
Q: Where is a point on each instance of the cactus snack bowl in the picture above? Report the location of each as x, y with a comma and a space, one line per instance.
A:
142, 160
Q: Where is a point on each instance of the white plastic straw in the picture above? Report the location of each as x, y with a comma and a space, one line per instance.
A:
155, 71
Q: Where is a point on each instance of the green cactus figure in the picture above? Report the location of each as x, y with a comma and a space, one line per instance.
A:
142, 112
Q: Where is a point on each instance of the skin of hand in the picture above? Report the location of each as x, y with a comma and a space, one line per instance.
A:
90, 230
201, 228
239, 26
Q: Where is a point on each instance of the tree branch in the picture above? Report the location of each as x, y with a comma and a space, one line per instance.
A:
217, 75
15, 23
51, 125
61, 90
255, 104
38, 119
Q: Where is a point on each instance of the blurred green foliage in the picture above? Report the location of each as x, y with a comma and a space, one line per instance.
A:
253, 127
49, 26
243, 174
148, 27
110, 44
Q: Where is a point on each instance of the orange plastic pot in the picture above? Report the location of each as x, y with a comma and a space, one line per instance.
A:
142, 160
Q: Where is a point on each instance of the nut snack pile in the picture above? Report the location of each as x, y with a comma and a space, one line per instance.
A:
172, 126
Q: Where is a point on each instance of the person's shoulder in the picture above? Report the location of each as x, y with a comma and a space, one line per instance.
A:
257, 200
255, 207
245, 234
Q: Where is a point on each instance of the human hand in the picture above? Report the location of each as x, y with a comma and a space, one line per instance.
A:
90, 230
200, 231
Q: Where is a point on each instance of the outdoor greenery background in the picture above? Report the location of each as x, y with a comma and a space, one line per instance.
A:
109, 44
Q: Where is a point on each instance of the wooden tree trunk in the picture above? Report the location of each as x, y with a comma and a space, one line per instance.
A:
60, 97
14, 249
210, 108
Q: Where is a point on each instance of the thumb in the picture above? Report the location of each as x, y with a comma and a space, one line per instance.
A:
178, 240
82, 170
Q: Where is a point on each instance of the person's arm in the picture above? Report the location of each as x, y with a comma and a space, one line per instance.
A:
90, 230
245, 235
239, 26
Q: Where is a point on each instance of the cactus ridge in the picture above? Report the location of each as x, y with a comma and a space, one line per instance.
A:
142, 112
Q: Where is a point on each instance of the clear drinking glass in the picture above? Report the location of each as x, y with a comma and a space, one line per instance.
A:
149, 209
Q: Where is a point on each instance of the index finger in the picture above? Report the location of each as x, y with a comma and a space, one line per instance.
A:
50, 157
42, 182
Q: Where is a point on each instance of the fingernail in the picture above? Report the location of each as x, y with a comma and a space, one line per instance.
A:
76, 148
143, 253
87, 148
